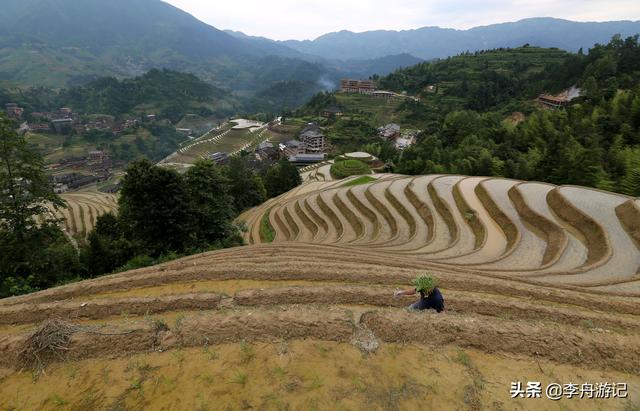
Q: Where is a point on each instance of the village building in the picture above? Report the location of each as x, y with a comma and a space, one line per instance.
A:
560, 100
39, 127
406, 140
389, 132
14, 111
390, 95
98, 155
62, 125
387, 95
266, 151
130, 123
39, 116
553, 102
292, 148
357, 86
303, 159
75, 180
220, 158
65, 112
331, 112
313, 138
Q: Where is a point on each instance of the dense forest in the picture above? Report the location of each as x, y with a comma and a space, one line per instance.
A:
170, 94
488, 79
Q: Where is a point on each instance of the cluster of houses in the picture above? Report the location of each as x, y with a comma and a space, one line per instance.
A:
394, 133
369, 87
310, 147
65, 121
97, 166
13, 111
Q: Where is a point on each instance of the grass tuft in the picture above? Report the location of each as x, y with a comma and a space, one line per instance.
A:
240, 378
267, 233
347, 168
247, 353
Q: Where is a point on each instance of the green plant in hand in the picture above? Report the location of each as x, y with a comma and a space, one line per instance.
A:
425, 283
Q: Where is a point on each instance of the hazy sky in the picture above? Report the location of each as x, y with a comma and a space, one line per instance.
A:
308, 19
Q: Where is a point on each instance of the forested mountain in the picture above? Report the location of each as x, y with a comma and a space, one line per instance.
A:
595, 141
488, 79
435, 42
167, 93
62, 43
345, 64
66, 42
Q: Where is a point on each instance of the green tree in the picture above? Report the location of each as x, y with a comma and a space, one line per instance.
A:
107, 248
631, 183
26, 189
281, 178
246, 188
154, 210
34, 252
210, 204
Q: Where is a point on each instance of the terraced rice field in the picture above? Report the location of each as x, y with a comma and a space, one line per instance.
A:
540, 284
84, 208
538, 233
226, 139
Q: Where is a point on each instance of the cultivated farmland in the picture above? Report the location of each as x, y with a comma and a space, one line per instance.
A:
540, 284
83, 209
539, 233
229, 138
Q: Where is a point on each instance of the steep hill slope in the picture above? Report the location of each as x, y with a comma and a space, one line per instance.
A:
62, 41
311, 318
538, 233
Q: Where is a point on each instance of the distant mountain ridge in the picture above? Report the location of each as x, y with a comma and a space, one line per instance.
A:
435, 42
62, 43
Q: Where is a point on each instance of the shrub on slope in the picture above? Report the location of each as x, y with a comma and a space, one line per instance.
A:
347, 168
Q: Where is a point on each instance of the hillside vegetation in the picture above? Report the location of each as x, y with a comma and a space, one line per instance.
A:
169, 94
467, 117
487, 79
594, 142
347, 168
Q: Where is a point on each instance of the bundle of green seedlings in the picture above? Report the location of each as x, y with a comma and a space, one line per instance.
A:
425, 283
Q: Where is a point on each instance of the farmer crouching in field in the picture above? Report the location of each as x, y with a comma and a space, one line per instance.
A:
430, 296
